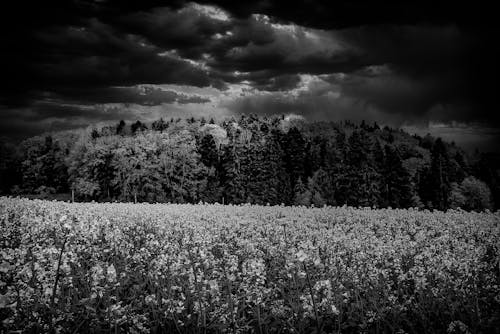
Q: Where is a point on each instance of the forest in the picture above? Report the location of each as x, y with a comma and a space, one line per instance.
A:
258, 160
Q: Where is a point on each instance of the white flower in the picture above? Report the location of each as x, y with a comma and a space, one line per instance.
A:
213, 285
301, 256
335, 310
111, 273
4, 267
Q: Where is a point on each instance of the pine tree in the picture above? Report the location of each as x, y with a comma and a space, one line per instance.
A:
398, 190
340, 169
294, 149
138, 126
231, 180
379, 164
439, 175
120, 127
208, 151
360, 174
321, 186
159, 125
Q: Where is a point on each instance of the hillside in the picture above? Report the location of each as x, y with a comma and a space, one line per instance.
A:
252, 160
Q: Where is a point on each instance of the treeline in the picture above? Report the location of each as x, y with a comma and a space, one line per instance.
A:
253, 160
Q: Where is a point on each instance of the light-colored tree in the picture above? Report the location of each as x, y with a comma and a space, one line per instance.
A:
470, 194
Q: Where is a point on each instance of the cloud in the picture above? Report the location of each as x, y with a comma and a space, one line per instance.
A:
326, 14
140, 94
104, 56
395, 63
187, 30
96, 56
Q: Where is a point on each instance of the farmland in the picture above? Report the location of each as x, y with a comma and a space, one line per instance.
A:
140, 268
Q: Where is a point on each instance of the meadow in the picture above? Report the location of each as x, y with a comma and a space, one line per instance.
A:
182, 268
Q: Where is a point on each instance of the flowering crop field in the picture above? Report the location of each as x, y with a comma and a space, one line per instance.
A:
142, 268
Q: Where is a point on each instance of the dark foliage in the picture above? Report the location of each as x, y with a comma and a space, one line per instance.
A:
252, 160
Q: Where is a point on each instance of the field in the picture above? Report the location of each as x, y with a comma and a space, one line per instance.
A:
141, 268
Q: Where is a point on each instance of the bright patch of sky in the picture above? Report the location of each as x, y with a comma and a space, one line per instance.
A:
212, 12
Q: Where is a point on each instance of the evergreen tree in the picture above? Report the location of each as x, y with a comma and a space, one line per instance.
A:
231, 180
95, 134
159, 125
321, 187
120, 127
379, 167
439, 175
138, 126
10, 168
294, 149
360, 173
208, 151
398, 192
340, 169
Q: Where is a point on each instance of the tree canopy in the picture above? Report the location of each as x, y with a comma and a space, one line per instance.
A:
252, 160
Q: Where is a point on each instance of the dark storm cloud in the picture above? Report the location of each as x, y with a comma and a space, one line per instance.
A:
413, 61
97, 55
277, 83
141, 95
40, 117
187, 29
327, 14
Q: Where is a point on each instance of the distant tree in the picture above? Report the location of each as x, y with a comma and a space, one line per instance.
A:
213, 190
340, 169
486, 167
43, 164
10, 167
231, 177
159, 125
81, 172
90, 168
360, 174
120, 128
267, 172
398, 192
439, 175
471, 194
457, 198
302, 195
95, 134
138, 126
321, 187
294, 150
184, 175
308, 161
378, 163
208, 151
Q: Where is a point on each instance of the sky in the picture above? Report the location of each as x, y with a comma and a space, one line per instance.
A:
426, 66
